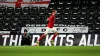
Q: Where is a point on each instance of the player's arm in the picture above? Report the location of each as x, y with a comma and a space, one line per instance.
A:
49, 19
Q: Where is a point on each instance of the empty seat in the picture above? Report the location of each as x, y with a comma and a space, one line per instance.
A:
82, 18
67, 12
42, 8
18, 8
67, 7
16, 17
52, 2
85, 2
5, 28
1, 12
97, 22
6, 23
92, 12
14, 23
91, 17
26, 8
41, 18
25, 17
97, 17
2, 8
98, 7
42, 12
59, 7
10, 8
95, 2
34, 8
17, 12
66, 18
61, 2
25, 12
84, 7
50, 8
33, 17
90, 27
1, 18
13, 28
69, 2
97, 27
75, 7
7, 18
9, 12
76, 12
74, 17
83, 12
89, 22
74, 23
81, 22
59, 17
34, 12
98, 11
59, 12
77, 2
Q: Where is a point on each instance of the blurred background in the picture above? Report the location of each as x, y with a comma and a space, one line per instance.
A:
75, 17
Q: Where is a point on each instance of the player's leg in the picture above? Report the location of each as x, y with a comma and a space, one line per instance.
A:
55, 34
43, 35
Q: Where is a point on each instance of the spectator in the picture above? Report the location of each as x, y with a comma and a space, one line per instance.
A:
26, 38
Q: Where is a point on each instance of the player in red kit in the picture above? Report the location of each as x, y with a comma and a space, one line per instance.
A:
50, 27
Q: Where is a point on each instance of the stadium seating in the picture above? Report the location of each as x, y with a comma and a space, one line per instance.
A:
69, 12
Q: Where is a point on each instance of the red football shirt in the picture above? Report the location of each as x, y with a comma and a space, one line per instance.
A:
51, 20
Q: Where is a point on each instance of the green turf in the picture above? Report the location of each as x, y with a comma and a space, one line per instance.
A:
50, 51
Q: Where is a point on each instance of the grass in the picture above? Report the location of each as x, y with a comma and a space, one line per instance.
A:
50, 51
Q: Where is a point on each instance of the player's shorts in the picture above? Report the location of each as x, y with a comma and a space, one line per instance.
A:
48, 30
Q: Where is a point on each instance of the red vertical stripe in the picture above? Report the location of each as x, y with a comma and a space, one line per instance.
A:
18, 3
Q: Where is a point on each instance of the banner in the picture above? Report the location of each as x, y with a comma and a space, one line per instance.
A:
60, 40
59, 29
25, 3
4, 32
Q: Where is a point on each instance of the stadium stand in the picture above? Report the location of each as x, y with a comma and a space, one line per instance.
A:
69, 12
